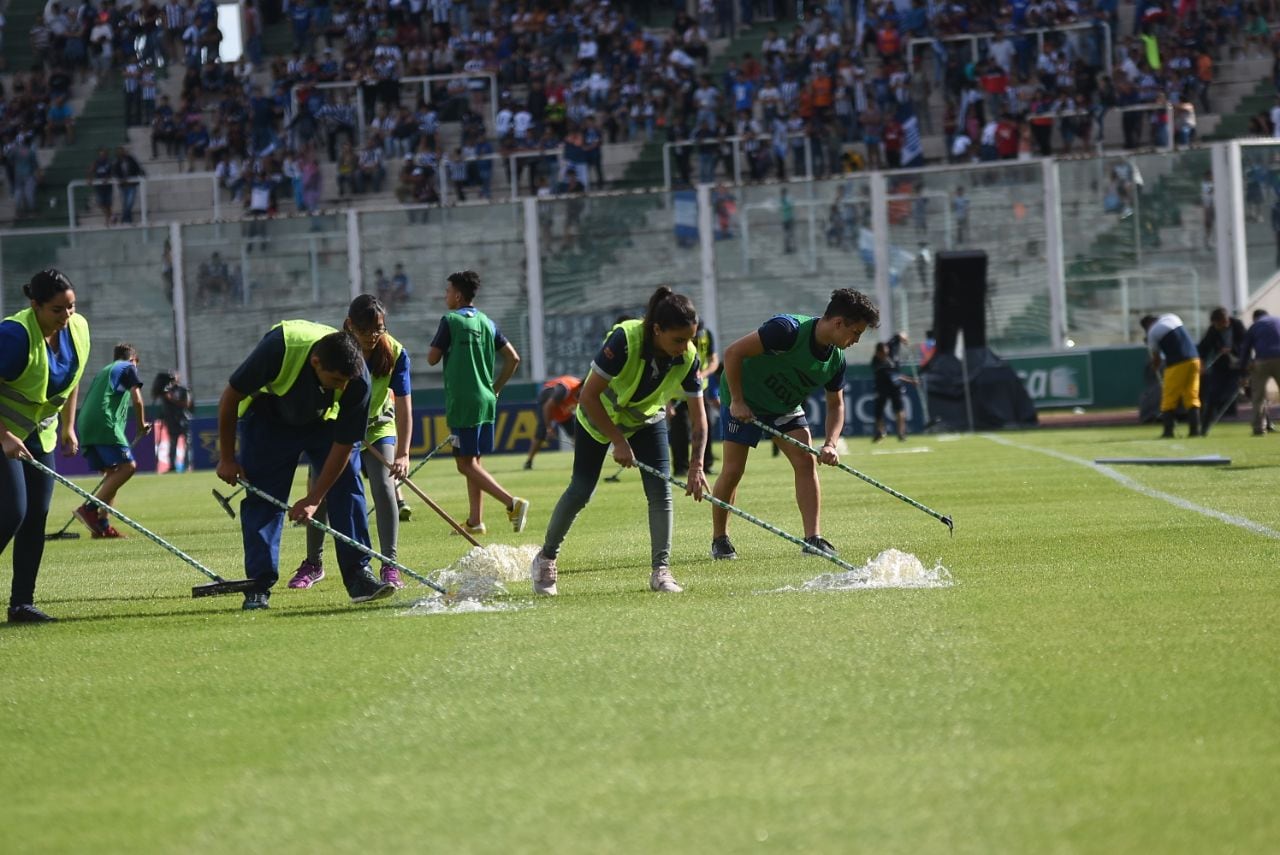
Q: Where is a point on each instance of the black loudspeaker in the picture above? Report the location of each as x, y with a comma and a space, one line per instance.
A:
960, 298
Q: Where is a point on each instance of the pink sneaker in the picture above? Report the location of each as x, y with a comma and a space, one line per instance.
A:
391, 576
543, 573
306, 575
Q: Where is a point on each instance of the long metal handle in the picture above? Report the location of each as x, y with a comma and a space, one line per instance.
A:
342, 537
945, 520
448, 440
751, 518
155, 538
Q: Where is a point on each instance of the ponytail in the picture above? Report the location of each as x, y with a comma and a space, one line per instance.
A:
46, 284
666, 310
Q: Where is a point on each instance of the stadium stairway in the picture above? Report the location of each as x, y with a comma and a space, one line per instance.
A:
99, 124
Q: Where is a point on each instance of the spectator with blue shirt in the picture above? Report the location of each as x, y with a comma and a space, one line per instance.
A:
303, 391
1261, 351
468, 342
1170, 344
768, 374
390, 430
101, 424
43, 351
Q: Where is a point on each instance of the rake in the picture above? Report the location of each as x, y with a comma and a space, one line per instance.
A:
751, 518
219, 584
777, 434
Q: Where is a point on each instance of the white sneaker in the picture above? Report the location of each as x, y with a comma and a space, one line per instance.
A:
518, 514
543, 573
662, 580
470, 529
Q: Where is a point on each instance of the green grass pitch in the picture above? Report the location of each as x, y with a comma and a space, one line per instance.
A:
1104, 676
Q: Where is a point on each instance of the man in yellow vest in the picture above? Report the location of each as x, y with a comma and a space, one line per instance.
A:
304, 390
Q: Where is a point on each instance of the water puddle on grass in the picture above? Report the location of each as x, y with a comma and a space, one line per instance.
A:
890, 569
475, 581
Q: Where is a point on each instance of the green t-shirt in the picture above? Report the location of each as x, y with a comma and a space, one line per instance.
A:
469, 399
777, 382
105, 411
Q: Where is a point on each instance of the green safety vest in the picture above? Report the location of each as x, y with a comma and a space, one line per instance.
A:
103, 414
382, 410
25, 405
777, 383
628, 414
299, 338
468, 371
702, 341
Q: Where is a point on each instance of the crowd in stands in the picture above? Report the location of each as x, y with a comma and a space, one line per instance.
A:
850, 85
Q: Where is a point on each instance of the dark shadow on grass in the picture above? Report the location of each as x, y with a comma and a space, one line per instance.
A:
392, 603
132, 616
120, 598
1242, 468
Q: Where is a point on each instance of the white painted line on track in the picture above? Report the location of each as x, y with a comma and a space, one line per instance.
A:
1125, 481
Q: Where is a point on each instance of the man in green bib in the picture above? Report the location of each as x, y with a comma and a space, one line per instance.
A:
100, 423
469, 342
768, 374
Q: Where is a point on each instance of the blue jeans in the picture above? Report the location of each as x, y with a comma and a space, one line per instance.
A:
651, 446
269, 453
25, 493
128, 194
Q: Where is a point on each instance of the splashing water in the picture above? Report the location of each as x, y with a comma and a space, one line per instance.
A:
476, 578
890, 569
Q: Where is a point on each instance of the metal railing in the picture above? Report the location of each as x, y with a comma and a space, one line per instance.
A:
736, 142
144, 184
974, 38
362, 120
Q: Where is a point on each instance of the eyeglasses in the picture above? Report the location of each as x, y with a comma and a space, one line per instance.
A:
374, 334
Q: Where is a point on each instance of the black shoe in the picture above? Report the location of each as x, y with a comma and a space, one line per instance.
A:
369, 588
256, 601
722, 549
28, 613
818, 543
879, 435
528, 464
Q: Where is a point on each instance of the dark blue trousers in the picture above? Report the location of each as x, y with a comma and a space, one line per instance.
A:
269, 453
25, 493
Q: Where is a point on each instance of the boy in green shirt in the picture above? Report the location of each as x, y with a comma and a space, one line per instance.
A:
100, 424
768, 374
468, 341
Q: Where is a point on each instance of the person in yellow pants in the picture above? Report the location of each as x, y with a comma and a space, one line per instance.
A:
1170, 345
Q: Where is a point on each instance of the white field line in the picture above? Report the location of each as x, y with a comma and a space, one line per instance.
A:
1125, 481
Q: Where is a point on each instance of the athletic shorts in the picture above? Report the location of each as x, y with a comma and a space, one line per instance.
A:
882, 398
748, 434
473, 441
104, 457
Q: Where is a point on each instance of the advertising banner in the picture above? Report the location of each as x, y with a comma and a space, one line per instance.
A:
513, 431
1056, 380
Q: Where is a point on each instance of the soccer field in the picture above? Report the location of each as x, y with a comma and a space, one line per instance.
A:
1103, 676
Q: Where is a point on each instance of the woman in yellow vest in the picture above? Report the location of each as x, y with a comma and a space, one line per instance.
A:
43, 352
390, 429
641, 366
